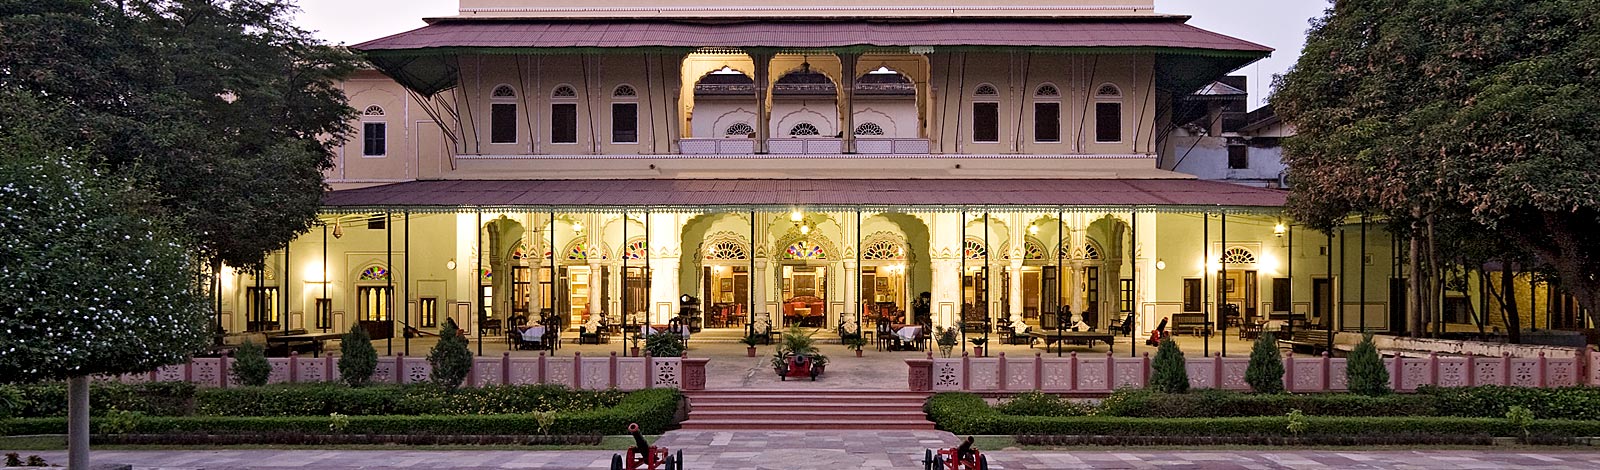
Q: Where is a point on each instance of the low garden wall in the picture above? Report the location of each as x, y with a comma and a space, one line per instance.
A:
1103, 373
576, 371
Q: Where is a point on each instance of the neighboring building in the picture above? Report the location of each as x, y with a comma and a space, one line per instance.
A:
1215, 139
789, 165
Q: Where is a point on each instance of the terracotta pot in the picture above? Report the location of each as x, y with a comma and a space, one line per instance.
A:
750, 351
858, 353
635, 351
978, 350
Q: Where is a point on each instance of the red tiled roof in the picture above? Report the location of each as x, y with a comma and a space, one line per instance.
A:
767, 194
1162, 32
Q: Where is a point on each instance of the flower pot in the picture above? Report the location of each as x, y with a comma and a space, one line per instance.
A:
978, 350
635, 351
858, 353
750, 351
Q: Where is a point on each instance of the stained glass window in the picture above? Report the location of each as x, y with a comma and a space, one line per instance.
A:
486, 274
635, 250
583, 251
375, 273
727, 249
883, 250
1033, 250
804, 249
521, 252
975, 249
1238, 255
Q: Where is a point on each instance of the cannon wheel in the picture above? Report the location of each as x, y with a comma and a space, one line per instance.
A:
616, 462
680, 460
983, 462
927, 459
938, 462
669, 464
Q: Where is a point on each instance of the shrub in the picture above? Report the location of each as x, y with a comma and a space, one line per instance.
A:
1520, 417
250, 366
963, 413
1265, 372
654, 410
357, 358
1035, 403
665, 344
152, 398
1211, 403
424, 399
120, 422
1494, 401
1365, 371
11, 401
450, 358
1170, 371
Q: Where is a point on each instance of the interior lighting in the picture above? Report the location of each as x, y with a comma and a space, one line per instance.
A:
1161, 265
796, 216
450, 265
577, 226
1033, 229
805, 229
1279, 229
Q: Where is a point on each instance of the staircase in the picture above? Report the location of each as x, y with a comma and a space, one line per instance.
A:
806, 409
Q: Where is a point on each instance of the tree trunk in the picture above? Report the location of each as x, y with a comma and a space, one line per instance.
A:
1436, 284
78, 422
1508, 303
1414, 321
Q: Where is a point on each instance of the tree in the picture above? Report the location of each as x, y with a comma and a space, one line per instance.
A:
1170, 371
358, 360
250, 365
450, 358
93, 280
1364, 371
1435, 112
1265, 372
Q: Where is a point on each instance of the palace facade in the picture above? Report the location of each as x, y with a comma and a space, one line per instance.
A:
817, 165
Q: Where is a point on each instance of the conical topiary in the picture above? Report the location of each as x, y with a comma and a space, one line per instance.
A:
357, 358
1364, 370
450, 358
1265, 373
1171, 372
250, 365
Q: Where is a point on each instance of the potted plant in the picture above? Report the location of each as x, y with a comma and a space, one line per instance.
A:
797, 356
750, 342
977, 345
855, 341
947, 340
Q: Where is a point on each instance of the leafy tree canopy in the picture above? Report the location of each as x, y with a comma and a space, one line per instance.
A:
225, 107
1477, 113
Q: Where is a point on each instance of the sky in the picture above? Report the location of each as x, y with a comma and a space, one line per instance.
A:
1279, 24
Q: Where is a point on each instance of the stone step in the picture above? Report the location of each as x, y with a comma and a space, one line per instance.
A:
804, 415
748, 407
829, 396
783, 425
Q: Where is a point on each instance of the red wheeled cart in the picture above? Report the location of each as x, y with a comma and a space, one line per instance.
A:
960, 458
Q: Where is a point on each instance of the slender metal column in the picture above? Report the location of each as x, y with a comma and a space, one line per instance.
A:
623, 340
405, 289
750, 283
320, 322
986, 281
860, 301
287, 288
477, 282
1133, 272
649, 276
1205, 275
1331, 289
961, 320
388, 280
1289, 232
555, 279
1061, 250
1344, 253
1222, 325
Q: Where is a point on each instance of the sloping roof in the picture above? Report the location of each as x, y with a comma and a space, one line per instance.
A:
1164, 32
781, 195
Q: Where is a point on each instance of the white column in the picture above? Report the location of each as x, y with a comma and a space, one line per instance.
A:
664, 250
946, 245
852, 294
1148, 271
1019, 249
759, 281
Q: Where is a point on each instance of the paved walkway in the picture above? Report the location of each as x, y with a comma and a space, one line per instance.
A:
835, 450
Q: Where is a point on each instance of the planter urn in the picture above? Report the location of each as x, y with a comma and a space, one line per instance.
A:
750, 351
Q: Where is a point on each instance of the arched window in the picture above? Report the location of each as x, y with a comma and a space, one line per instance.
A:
1033, 250
503, 115
726, 249
624, 115
804, 249
374, 273
564, 115
635, 249
1238, 255
883, 249
585, 251
1047, 114
521, 252
985, 114
804, 128
374, 132
1108, 114
975, 249
739, 129
1090, 252
869, 128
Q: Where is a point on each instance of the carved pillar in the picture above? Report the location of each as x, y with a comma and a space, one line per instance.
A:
763, 66
847, 110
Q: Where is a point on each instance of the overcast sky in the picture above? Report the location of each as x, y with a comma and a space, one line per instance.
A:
1279, 24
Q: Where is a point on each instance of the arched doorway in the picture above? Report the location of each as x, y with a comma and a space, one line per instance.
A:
725, 280
885, 279
803, 270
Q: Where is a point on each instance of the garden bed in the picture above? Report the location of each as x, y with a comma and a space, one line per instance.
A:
297, 438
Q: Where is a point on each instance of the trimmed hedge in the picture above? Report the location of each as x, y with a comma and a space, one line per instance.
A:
653, 409
183, 399
154, 398
963, 413
1211, 403
1581, 403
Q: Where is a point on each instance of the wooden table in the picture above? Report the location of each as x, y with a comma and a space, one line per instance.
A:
1076, 337
317, 338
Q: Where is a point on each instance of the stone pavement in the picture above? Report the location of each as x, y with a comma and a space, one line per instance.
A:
840, 450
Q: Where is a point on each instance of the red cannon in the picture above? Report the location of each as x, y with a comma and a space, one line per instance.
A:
643, 456
960, 458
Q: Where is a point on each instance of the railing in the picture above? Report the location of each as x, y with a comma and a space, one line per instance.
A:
874, 145
723, 146
1104, 373
805, 146
576, 371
